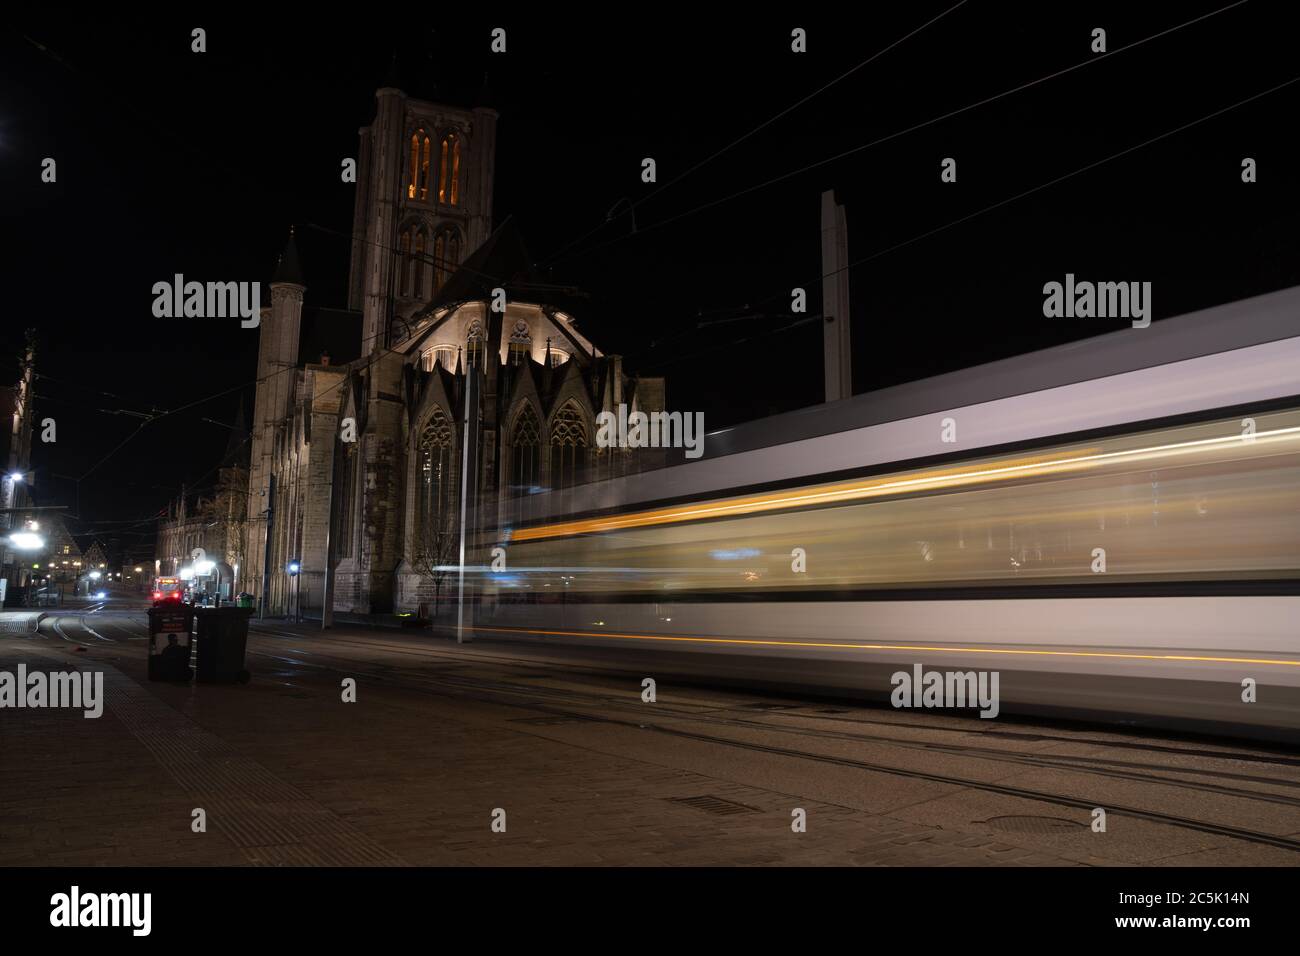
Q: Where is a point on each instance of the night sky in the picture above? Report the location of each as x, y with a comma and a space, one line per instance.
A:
170, 161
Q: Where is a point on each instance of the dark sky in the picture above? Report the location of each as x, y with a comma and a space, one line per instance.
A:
170, 161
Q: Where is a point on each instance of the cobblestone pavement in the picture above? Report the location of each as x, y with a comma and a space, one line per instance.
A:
440, 738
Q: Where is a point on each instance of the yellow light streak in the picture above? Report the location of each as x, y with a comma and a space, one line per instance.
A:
828, 645
1031, 467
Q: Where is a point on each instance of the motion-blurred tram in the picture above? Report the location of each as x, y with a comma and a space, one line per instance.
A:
1112, 525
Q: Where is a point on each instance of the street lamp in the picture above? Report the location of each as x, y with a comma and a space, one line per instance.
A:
293, 568
26, 541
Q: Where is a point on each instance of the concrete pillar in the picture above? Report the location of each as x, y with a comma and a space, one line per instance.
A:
836, 351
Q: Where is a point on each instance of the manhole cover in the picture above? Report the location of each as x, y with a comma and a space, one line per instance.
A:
715, 805
1024, 824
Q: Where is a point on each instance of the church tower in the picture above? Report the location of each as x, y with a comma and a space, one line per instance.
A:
277, 362
423, 204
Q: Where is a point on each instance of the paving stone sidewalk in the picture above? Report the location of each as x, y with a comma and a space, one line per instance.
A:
290, 775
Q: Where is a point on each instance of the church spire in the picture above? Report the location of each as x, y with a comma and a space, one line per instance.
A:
238, 438
288, 268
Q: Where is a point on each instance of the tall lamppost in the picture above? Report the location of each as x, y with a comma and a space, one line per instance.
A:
294, 568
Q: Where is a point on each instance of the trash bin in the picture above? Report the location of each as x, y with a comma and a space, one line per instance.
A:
244, 599
221, 634
171, 631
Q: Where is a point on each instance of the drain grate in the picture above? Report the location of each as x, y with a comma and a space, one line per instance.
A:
715, 805
1030, 824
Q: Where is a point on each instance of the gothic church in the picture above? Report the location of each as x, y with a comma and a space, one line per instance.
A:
356, 450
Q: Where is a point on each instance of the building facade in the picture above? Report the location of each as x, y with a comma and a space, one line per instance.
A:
360, 415
214, 522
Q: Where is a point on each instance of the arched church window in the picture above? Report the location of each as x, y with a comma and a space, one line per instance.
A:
417, 266
446, 256
346, 479
568, 446
521, 344
444, 355
414, 178
404, 261
449, 170
421, 153
412, 251
474, 345
436, 480
525, 461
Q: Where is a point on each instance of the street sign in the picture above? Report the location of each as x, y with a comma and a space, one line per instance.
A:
172, 622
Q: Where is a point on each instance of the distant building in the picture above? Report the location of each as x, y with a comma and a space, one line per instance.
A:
356, 452
16, 566
214, 521
136, 573
62, 556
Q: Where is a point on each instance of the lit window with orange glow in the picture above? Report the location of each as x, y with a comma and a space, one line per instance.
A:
424, 171
449, 170
455, 171
415, 166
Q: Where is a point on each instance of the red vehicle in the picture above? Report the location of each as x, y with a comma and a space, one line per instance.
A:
168, 591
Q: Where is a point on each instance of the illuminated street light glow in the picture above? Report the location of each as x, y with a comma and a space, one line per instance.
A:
204, 567
186, 574
26, 541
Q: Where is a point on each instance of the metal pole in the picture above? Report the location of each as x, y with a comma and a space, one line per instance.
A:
469, 446
266, 559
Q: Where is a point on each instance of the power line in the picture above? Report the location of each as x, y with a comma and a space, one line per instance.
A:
632, 206
1003, 202
911, 129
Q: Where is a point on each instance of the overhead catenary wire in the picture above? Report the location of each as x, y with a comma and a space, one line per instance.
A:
1096, 58
632, 206
1006, 201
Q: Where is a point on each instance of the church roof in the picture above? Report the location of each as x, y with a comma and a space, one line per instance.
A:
501, 262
